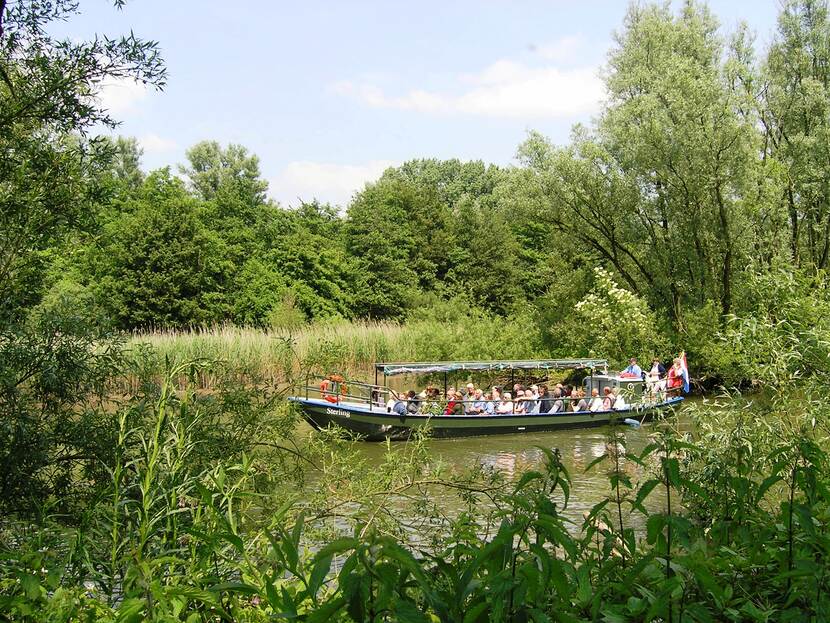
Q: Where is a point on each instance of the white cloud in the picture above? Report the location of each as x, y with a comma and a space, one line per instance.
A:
155, 144
119, 96
505, 88
564, 50
327, 182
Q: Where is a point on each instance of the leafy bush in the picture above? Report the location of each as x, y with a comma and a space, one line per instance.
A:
169, 541
611, 322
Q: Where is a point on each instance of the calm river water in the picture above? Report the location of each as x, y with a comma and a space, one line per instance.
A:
514, 454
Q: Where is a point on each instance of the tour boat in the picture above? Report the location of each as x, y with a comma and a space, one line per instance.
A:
360, 408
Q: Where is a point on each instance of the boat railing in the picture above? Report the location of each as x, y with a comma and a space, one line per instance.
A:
374, 397
377, 397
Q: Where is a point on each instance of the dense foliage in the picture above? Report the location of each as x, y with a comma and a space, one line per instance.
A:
741, 533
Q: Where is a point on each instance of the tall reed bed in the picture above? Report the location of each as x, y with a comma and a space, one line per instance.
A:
345, 347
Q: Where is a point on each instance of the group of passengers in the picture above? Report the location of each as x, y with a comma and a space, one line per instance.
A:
658, 381
533, 400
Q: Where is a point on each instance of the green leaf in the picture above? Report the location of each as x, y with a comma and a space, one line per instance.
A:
765, 486
234, 540
407, 612
643, 492
291, 551
338, 546
648, 450
273, 597
30, 585
297, 531
595, 511
327, 611
288, 601
319, 573
193, 593
526, 478
654, 527
596, 461
474, 614
672, 467
130, 611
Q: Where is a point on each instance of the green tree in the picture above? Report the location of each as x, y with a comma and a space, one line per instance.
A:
795, 110
217, 173
666, 188
126, 162
452, 180
442, 217
47, 91
53, 362
484, 266
157, 264
378, 236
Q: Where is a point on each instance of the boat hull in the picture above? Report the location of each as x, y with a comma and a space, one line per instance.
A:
379, 425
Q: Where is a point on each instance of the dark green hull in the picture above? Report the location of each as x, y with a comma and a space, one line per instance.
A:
380, 425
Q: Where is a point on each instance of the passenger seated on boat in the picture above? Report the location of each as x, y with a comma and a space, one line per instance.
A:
496, 393
489, 405
532, 399
520, 405
658, 370
578, 402
558, 404
633, 370
596, 401
391, 402
505, 405
427, 393
545, 402
454, 404
608, 401
413, 403
471, 390
400, 406
619, 400
478, 405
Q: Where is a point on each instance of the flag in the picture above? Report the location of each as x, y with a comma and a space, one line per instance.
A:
684, 372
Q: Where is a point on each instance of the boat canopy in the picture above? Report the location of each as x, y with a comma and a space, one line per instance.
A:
426, 367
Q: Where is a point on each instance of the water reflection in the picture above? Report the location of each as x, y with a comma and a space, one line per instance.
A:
515, 454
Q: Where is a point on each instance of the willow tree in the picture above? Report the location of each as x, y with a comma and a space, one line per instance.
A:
796, 116
664, 187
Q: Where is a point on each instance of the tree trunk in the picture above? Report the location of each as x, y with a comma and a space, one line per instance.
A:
794, 229
726, 274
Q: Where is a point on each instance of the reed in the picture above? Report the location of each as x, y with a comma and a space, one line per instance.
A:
346, 347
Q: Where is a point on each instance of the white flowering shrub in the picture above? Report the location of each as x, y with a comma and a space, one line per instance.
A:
616, 324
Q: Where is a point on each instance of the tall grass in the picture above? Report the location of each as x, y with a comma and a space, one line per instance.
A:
347, 347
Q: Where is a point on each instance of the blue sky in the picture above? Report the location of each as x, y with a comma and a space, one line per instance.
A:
328, 94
